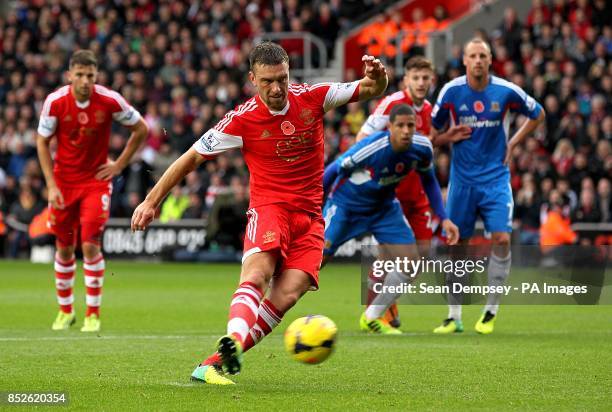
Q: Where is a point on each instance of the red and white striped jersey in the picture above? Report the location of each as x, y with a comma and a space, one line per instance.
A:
82, 130
283, 150
377, 121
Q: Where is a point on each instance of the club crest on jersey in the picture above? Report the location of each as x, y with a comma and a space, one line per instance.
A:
307, 116
287, 128
82, 118
495, 107
399, 167
419, 121
100, 116
479, 106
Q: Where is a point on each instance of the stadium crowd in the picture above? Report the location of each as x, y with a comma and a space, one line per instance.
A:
183, 66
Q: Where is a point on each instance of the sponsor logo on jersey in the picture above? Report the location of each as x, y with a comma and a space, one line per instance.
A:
495, 107
100, 116
479, 106
266, 133
307, 116
473, 122
82, 118
269, 237
287, 127
67, 118
463, 108
390, 180
209, 141
385, 170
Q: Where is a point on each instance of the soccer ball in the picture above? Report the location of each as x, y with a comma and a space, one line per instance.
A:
311, 339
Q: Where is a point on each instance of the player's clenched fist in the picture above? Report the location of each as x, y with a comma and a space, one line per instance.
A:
143, 216
374, 69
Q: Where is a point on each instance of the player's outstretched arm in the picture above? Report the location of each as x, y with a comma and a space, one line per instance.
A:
46, 164
113, 168
375, 79
145, 212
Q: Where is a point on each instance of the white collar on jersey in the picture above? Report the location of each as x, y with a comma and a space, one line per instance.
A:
282, 112
82, 105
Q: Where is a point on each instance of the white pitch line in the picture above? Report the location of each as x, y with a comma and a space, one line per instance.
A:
103, 337
183, 384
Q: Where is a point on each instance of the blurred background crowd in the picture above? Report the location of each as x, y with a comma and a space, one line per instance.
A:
184, 65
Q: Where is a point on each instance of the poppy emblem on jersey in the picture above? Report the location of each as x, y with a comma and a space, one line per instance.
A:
100, 116
82, 118
269, 237
479, 106
307, 117
399, 167
287, 128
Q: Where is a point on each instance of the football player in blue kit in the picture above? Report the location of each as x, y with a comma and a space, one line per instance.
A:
361, 186
480, 178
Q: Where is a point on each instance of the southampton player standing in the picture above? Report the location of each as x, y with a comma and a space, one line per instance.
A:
79, 183
418, 75
480, 177
280, 133
362, 199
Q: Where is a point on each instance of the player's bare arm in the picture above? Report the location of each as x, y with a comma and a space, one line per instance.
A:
113, 168
145, 212
44, 157
453, 134
375, 79
525, 130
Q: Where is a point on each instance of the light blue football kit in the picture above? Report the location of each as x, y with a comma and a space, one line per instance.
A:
479, 180
361, 185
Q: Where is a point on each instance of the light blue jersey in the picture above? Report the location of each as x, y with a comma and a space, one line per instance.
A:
371, 171
479, 180
480, 159
362, 195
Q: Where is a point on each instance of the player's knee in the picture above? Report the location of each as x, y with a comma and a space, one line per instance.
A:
65, 253
501, 239
257, 277
90, 250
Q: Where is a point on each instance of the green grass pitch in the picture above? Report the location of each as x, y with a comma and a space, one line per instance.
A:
159, 320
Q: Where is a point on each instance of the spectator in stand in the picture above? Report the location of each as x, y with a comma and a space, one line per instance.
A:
556, 228
604, 196
527, 211
587, 210
563, 157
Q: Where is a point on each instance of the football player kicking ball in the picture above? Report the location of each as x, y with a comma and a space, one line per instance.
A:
79, 185
280, 133
362, 199
480, 177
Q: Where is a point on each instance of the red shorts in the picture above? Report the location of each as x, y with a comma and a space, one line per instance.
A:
415, 205
86, 207
296, 236
420, 221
